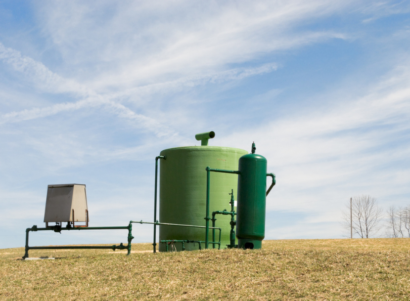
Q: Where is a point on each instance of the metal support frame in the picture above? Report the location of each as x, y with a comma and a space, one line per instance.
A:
58, 229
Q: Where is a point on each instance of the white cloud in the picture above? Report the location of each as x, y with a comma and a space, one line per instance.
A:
322, 159
129, 69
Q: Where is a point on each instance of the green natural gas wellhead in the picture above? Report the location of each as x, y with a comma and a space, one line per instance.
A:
195, 183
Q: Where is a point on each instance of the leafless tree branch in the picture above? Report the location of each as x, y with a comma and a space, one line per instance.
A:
366, 216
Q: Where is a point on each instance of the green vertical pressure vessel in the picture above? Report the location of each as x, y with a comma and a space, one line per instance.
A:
250, 227
183, 191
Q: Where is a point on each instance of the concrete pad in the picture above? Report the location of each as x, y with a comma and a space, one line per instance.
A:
39, 258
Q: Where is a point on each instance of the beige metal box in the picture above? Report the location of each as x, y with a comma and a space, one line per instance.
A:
66, 203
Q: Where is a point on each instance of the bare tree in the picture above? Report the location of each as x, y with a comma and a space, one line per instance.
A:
366, 216
406, 217
392, 222
398, 224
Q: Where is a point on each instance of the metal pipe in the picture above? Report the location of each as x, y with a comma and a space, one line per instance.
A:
183, 241
204, 137
232, 214
130, 238
233, 222
58, 228
183, 225
224, 212
155, 201
213, 230
113, 247
273, 182
208, 184
26, 247
224, 171
169, 224
208, 191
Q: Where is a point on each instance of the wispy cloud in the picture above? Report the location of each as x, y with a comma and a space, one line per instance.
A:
324, 155
113, 83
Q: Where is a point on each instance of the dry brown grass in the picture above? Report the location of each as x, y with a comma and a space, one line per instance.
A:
372, 269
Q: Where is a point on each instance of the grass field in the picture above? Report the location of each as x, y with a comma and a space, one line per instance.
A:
359, 269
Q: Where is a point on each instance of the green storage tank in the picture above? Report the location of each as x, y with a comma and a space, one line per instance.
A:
183, 191
250, 227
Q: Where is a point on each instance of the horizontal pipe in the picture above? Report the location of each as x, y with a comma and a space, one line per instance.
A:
168, 224
188, 241
78, 247
223, 213
224, 170
53, 228
59, 229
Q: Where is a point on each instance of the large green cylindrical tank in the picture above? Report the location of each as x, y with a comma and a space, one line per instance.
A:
250, 227
183, 191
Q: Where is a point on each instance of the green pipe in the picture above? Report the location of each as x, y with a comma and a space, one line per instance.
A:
26, 247
113, 247
273, 182
232, 214
208, 191
204, 137
169, 224
183, 225
58, 228
130, 238
224, 212
155, 201
185, 241
224, 171
213, 230
189, 241
233, 222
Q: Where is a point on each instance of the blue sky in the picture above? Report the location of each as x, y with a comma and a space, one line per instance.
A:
91, 92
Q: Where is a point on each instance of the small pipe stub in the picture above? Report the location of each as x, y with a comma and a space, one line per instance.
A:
204, 137
253, 148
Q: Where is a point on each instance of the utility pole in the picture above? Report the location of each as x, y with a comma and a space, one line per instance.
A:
351, 219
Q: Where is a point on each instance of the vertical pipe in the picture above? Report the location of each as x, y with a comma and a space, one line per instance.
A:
351, 219
213, 230
26, 248
208, 184
155, 202
232, 221
220, 233
130, 238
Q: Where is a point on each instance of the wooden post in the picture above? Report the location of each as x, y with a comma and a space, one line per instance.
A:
351, 219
